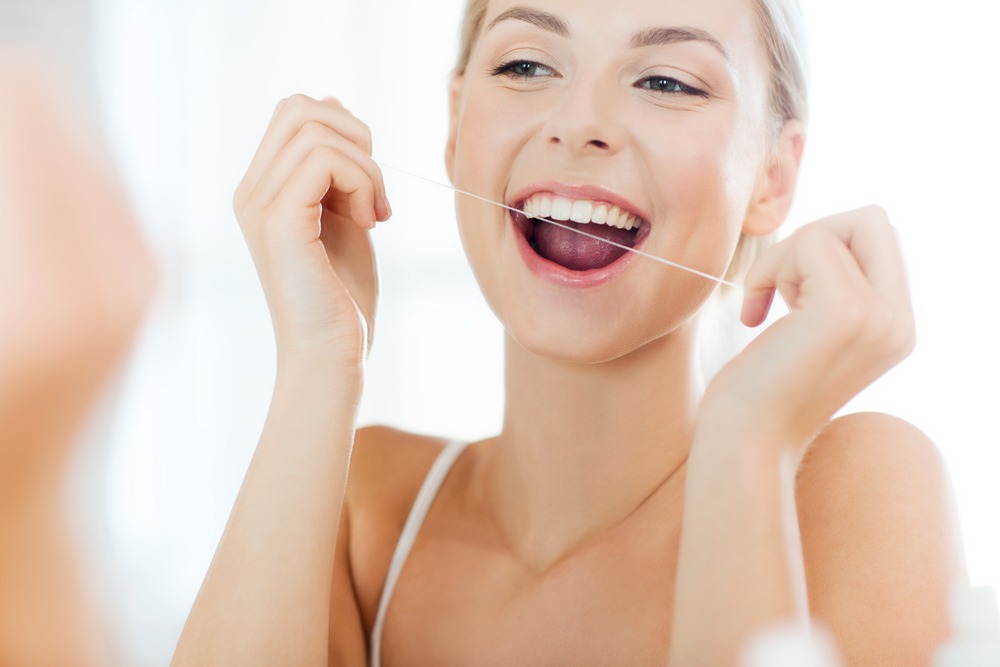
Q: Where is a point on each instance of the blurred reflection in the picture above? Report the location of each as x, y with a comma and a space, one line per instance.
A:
75, 278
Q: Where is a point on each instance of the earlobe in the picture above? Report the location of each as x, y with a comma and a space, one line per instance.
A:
775, 189
454, 93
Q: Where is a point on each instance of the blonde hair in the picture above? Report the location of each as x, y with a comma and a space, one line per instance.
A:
782, 35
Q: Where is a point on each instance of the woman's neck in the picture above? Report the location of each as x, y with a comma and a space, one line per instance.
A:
584, 445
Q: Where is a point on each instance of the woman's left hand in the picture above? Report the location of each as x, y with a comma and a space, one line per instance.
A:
850, 321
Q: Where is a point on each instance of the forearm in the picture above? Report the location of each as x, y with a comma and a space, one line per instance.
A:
740, 563
265, 600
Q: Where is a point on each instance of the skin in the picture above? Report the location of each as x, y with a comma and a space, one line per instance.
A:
559, 541
75, 280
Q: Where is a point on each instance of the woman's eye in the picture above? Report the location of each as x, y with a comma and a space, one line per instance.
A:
522, 69
669, 86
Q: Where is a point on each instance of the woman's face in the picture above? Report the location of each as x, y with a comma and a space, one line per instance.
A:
654, 110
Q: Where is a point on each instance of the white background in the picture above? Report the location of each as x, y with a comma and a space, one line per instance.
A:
904, 114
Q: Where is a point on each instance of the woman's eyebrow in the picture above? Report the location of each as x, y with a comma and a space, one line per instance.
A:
541, 19
657, 36
651, 37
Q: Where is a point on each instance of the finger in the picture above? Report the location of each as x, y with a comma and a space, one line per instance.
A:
824, 268
813, 264
761, 282
756, 306
289, 117
325, 168
293, 154
845, 303
874, 243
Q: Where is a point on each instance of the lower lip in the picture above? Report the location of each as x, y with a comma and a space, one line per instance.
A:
559, 274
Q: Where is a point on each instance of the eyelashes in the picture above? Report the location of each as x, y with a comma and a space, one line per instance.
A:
527, 70
522, 70
669, 86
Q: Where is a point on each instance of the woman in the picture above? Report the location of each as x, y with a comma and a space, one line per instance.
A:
560, 540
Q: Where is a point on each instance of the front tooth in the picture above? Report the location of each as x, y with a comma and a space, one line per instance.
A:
581, 211
600, 214
544, 207
561, 208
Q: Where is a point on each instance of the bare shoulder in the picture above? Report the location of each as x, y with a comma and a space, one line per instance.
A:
387, 464
871, 447
879, 538
387, 469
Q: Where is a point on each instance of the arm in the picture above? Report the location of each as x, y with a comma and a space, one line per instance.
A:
266, 598
879, 539
740, 565
75, 279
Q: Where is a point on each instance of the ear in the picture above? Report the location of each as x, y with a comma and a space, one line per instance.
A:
775, 188
454, 93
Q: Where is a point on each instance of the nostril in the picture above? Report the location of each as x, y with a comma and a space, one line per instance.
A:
595, 143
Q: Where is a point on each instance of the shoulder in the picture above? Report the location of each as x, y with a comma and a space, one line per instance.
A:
878, 537
388, 464
387, 469
876, 451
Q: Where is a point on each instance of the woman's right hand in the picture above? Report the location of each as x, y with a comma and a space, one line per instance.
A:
306, 205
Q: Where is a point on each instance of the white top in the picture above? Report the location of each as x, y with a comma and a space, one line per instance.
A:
432, 483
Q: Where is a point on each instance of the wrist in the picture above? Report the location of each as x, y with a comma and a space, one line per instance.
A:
319, 373
745, 444
744, 427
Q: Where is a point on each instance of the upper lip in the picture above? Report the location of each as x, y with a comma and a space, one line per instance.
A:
594, 193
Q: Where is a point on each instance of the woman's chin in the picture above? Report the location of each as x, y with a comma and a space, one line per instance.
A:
596, 345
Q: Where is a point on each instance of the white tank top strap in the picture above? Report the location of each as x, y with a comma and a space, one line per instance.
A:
425, 497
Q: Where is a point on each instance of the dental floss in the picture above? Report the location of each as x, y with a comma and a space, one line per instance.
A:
721, 281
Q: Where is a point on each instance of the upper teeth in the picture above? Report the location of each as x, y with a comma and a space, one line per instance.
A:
560, 208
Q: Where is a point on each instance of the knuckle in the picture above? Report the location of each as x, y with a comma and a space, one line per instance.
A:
811, 235
324, 153
294, 106
876, 213
242, 201
366, 136
902, 336
298, 99
313, 131
819, 233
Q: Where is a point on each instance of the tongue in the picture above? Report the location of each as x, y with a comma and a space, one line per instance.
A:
579, 252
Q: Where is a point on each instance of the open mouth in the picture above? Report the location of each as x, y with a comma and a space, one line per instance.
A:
609, 231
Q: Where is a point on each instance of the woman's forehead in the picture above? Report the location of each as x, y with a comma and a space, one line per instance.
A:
731, 23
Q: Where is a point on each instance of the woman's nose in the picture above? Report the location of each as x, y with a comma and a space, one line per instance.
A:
584, 121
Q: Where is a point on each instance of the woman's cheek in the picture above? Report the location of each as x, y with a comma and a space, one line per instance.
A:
488, 138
